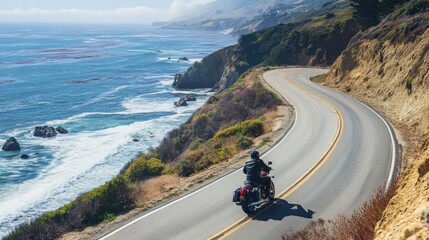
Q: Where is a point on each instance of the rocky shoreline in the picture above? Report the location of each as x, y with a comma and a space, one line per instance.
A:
12, 144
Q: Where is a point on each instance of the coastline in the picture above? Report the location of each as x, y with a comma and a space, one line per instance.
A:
122, 91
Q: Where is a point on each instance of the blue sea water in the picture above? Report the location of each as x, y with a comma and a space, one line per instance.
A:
107, 85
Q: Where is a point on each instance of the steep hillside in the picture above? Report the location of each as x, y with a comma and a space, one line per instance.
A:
218, 70
317, 39
388, 66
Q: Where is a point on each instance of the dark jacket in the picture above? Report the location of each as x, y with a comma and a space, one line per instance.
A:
253, 168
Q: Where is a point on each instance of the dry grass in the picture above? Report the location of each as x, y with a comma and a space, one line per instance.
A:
156, 188
360, 226
269, 119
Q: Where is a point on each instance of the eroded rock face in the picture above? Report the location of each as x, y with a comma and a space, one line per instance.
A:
217, 71
11, 145
378, 72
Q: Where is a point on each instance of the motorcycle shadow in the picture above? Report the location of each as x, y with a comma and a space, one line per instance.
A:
279, 209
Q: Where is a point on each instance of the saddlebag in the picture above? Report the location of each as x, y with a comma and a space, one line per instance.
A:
236, 195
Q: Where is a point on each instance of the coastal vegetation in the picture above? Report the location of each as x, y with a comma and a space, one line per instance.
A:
224, 126
319, 78
315, 39
231, 119
97, 206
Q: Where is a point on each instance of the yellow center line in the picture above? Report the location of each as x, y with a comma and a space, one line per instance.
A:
297, 183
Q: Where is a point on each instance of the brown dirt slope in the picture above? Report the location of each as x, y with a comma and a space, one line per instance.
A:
377, 67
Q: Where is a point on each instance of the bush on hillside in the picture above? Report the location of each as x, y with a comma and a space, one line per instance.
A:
252, 128
225, 144
184, 168
144, 167
91, 208
221, 111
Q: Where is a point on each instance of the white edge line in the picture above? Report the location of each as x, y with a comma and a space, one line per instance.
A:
392, 137
201, 189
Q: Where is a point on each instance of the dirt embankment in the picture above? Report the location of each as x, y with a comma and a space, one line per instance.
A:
393, 76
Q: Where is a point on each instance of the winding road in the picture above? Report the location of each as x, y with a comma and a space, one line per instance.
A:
335, 156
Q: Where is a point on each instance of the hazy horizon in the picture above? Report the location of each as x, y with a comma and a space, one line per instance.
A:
95, 11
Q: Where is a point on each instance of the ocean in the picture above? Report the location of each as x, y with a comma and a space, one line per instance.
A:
107, 85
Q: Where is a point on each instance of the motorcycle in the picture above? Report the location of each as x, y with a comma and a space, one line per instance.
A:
251, 197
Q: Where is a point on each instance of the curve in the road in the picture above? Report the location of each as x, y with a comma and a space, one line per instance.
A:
332, 160
289, 190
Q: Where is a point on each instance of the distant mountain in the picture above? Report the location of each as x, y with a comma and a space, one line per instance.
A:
225, 9
244, 16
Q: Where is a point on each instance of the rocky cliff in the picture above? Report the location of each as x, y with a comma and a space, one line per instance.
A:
315, 40
388, 66
217, 71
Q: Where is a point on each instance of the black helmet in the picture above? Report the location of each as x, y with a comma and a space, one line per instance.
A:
254, 154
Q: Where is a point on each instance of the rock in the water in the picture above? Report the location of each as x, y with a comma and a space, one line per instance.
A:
61, 130
45, 132
184, 59
181, 103
188, 98
25, 156
11, 145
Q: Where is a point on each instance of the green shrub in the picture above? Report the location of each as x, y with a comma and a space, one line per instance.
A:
113, 197
243, 64
196, 143
184, 168
98, 205
143, 168
252, 128
202, 164
244, 142
416, 6
319, 78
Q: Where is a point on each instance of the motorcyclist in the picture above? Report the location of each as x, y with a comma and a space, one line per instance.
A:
253, 169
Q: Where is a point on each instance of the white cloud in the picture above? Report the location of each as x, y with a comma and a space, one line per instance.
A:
142, 15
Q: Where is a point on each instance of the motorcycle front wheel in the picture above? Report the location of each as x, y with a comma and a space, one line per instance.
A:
272, 191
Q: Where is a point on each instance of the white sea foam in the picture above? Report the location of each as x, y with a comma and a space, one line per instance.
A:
84, 160
142, 104
167, 82
104, 95
75, 154
176, 59
142, 51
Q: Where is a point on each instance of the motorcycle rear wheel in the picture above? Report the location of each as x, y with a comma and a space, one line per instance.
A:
247, 208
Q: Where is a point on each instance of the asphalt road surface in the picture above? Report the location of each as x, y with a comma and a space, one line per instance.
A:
335, 156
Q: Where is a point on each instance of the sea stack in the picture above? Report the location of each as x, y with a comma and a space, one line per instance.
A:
45, 132
11, 145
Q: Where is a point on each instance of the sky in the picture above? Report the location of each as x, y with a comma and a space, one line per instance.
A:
94, 11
